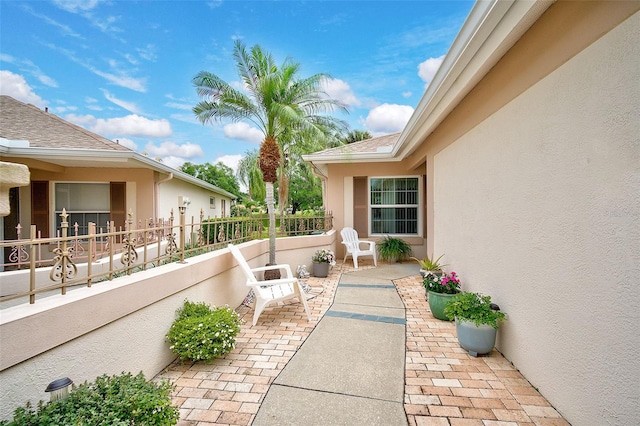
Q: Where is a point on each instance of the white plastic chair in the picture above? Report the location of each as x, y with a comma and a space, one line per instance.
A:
270, 291
354, 246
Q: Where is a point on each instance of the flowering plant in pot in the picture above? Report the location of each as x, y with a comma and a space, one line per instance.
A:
324, 256
322, 259
440, 289
477, 321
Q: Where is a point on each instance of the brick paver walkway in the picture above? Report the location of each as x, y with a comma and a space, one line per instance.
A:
443, 384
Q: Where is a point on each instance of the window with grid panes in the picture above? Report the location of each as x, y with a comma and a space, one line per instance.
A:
394, 205
84, 203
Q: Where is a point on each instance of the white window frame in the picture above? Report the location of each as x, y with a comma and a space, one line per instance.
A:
371, 206
212, 203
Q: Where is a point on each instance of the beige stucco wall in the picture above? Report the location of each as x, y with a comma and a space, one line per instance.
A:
539, 206
169, 192
121, 326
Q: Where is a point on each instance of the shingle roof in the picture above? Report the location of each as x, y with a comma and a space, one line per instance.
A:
20, 121
377, 144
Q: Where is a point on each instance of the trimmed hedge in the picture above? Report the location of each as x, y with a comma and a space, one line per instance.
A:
200, 333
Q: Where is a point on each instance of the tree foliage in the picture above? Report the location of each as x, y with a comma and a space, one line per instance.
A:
355, 136
286, 108
218, 174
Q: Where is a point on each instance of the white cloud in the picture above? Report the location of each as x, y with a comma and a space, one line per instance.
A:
172, 149
120, 78
65, 29
137, 84
428, 68
16, 86
148, 52
406, 94
177, 105
128, 143
187, 118
244, 132
29, 67
75, 6
129, 106
130, 125
229, 160
388, 118
64, 108
340, 90
172, 161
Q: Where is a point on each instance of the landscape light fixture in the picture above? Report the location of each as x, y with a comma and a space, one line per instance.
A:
59, 388
183, 202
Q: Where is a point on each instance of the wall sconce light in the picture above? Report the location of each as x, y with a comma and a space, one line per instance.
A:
59, 388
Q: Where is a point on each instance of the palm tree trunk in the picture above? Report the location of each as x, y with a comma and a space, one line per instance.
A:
272, 223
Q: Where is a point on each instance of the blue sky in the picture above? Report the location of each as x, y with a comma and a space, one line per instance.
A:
123, 69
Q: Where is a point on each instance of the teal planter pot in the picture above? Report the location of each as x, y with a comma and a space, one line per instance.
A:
437, 302
478, 340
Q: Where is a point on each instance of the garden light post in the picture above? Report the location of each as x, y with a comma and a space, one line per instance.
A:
183, 202
59, 388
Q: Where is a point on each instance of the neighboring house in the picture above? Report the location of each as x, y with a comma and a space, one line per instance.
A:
93, 178
522, 165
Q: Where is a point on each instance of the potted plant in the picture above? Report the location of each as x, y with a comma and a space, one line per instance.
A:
393, 249
440, 289
429, 264
322, 259
477, 321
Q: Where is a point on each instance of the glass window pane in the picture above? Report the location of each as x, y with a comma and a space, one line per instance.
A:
400, 197
82, 196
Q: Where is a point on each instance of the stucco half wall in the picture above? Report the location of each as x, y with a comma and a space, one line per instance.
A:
539, 206
121, 326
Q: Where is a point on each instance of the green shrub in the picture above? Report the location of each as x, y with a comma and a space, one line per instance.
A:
200, 333
118, 400
474, 307
392, 248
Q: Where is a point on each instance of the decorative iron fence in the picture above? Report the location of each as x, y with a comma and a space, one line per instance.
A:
104, 254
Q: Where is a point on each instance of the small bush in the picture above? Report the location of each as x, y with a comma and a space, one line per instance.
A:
200, 333
118, 400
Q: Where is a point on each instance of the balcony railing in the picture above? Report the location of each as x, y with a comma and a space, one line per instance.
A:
104, 254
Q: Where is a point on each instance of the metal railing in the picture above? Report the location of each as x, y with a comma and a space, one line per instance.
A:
102, 255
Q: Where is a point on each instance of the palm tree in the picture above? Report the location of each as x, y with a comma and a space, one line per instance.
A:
356, 136
275, 101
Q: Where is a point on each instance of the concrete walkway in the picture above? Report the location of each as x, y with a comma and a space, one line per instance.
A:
350, 370
372, 355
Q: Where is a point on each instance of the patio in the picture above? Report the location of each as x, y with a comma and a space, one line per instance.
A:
443, 385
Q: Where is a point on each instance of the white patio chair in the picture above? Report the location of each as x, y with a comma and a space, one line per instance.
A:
270, 291
354, 246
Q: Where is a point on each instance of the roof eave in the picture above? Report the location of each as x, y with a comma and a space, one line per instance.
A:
368, 157
491, 28
109, 157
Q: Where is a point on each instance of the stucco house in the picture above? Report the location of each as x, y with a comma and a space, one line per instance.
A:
521, 164
93, 178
